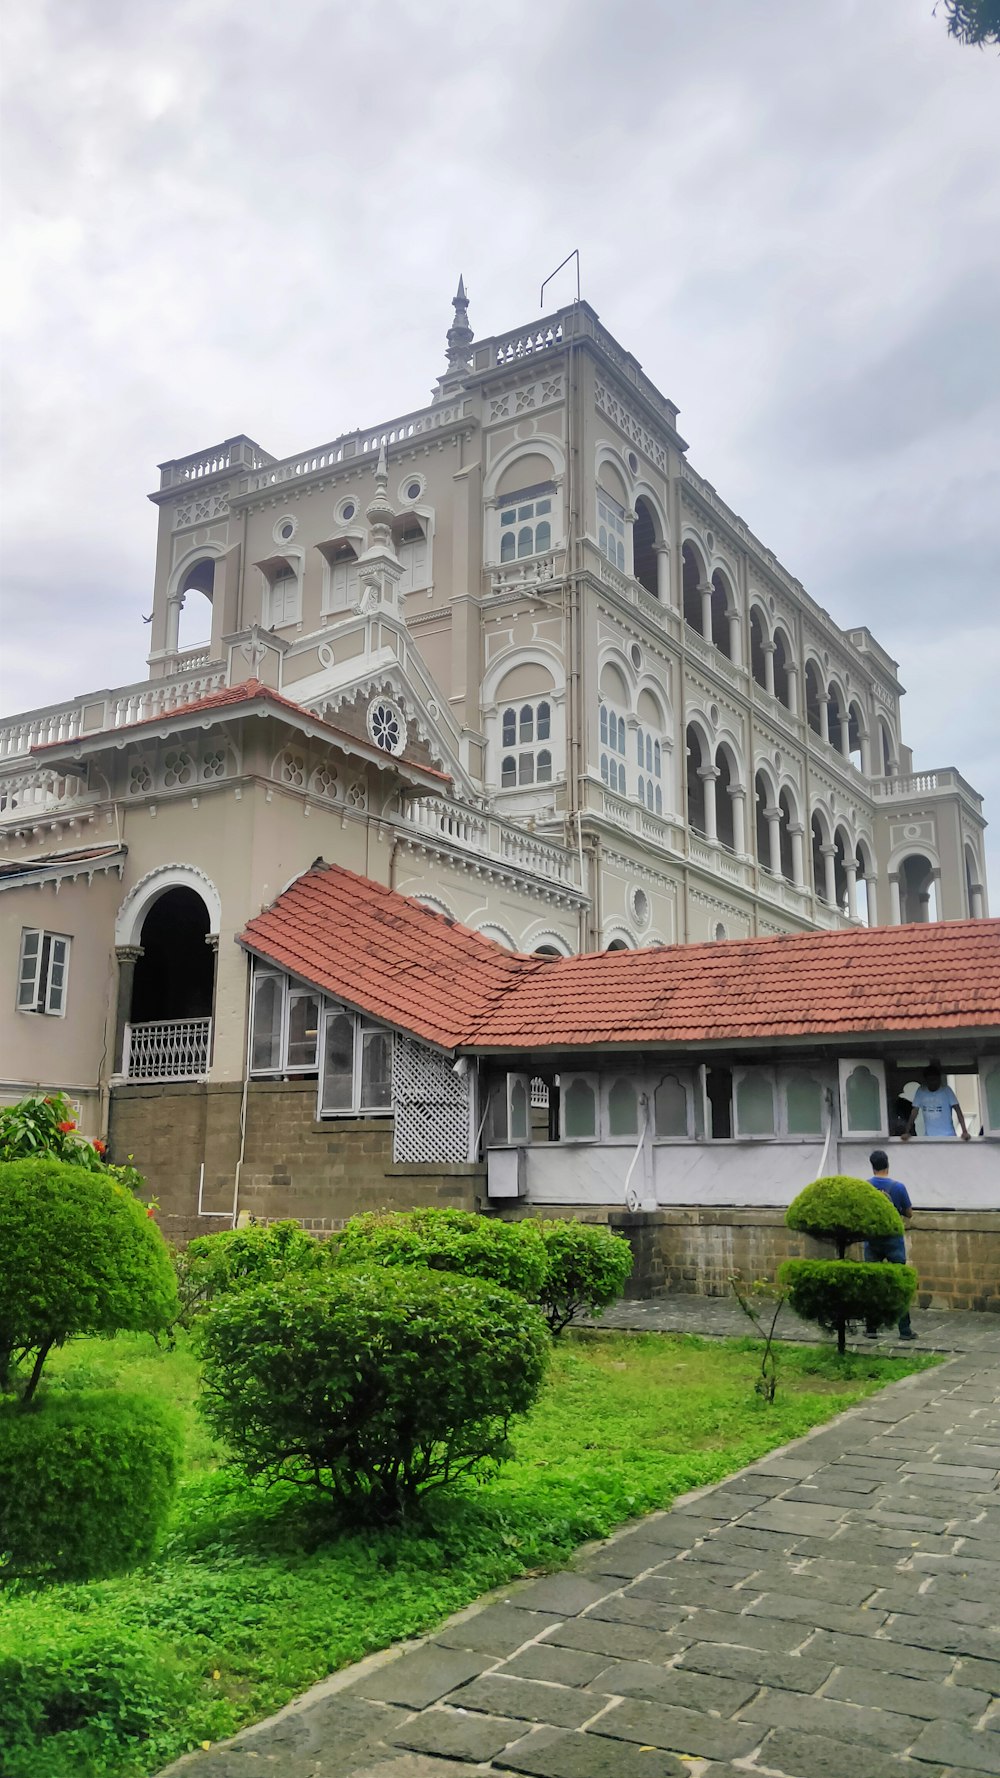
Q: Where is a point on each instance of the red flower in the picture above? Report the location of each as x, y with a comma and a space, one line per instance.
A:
99, 1147
151, 1211
64, 1129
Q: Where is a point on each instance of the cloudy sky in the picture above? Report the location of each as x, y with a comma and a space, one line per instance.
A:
229, 216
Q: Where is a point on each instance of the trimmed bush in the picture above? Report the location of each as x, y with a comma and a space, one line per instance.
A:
843, 1210
370, 1385
213, 1265
508, 1253
81, 1697
824, 1290
86, 1483
588, 1268
77, 1255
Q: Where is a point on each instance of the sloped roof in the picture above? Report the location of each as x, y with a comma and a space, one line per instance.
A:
251, 691
409, 967
78, 861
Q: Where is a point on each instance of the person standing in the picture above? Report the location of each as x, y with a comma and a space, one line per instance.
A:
940, 1107
890, 1248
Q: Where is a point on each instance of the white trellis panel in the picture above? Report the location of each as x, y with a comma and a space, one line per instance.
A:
431, 1104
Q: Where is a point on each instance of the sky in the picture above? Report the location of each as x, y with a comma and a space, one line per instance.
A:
225, 216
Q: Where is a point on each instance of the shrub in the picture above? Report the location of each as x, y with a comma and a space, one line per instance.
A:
213, 1265
43, 1127
86, 1483
588, 1268
508, 1253
77, 1255
76, 1696
370, 1385
843, 1210
828, 1290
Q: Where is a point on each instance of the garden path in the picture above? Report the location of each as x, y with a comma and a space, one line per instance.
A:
832, 1610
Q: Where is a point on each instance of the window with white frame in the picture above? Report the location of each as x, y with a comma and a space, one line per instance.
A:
611, 529
649, 754
613, 749
283, 604
525, 736
357, 1064
412, 550
42, 972
297, 1031
526, 523
343, 586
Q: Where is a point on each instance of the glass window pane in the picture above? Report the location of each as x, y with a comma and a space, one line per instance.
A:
508, 773
27, 986
376, 1069
659, 800
526, 768
542, 725
864, 1109
265, 1052
527, 724
621, 734
57, 975
638, 746
542, 506
526, 541
604, 726
623, 1109
991, 1083
642, 790
670, 1107
604, 767
545, 766
508, 518
507, 547
303, 1029
621, 781
579, 1109
543, 537
518, 1111
509, 728
755, 1106
526, 512
338, 1062
804, 1105
657, 759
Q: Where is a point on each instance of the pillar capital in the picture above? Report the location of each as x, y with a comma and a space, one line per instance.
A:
706, 772
212, 940
129, 953
661, 549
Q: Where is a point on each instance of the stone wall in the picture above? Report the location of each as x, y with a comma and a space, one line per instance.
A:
320, 1173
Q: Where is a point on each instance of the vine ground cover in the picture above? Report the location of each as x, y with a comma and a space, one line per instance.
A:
256, 1595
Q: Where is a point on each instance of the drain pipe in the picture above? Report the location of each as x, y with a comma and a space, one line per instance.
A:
243, 1096
825, 1156
632, 1200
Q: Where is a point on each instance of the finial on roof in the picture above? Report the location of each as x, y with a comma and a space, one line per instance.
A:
460, 338
380, 512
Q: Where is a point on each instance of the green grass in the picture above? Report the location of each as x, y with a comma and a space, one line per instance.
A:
260, 1596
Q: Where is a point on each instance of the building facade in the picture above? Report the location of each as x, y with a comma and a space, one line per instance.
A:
508, 654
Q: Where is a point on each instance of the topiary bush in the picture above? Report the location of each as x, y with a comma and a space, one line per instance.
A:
77, 1255
843, 1210
213, 1265
76, 1696
370, 1385
508, 1253
86, 1483
588, 1268
834, 1292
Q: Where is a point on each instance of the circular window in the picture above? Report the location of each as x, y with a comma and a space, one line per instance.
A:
285, 528
387, 725
714, 713
346, 511
639, 904
633, 462
710, 539
771, 606
720, 933
777, 760
411, 488
635, 656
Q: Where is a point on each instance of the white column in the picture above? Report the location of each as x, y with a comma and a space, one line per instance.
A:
897, 912
705, 589
662, 553
793, 687
796, 834
845, 734
866, 753
824, 718
871, 889
174, 605
768, 650
735, 651
828, 854
772, 816
737, 794
851, 873
708, 775
976, 901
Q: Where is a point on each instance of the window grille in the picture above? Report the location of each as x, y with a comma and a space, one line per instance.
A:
432, 1105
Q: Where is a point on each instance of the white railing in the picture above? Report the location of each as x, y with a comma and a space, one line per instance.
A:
97, 711
489, 837
231, 454
167, 1049
27, 795
352, 445
520, 577
920, 783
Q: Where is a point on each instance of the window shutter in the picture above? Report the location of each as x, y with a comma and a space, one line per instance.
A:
31, 963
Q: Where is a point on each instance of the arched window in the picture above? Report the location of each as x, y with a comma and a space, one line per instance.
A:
611, 529
508, 772
788, 817
691, 582
757, 654
526, 728
623, 1109
194, 628
722, 603
409, 537
814, 696
644, 565
695, 782
670, 1107
725, 826
917, 890
762, 801
818, 861
803, 1105
837, 718
579, 1110
526, 523
782, 656
543, 772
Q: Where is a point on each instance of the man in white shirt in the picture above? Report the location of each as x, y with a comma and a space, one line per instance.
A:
939, 1106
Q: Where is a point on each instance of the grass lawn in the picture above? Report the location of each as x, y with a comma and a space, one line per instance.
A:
258, 1597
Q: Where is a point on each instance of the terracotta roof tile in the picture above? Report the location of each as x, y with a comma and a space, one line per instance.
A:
412, 968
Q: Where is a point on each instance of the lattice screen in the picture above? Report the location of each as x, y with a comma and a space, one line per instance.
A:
431, 1104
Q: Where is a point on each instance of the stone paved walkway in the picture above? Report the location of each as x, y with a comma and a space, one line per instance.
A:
938, 1330
831, 1612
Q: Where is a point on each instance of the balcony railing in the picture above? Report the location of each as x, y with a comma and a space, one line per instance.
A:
167, 1049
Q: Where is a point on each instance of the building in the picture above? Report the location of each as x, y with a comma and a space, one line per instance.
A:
509, 655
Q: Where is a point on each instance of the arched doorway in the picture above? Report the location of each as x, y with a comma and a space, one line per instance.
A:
168, 999
644, 564
194, 606
917, 890
691, 584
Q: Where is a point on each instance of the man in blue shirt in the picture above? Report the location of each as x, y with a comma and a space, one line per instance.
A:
891, 1248
940, 1107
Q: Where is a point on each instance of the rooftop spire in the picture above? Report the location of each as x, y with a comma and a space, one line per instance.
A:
380, 512
460, 338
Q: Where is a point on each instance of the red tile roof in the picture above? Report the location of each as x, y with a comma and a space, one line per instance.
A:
411, 968
251, 691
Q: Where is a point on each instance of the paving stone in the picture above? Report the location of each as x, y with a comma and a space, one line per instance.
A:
418, 1678
629, 1642
793, 1467
625, 1558
691, 1589
563, 1594
681, 1731
455, 1735
912, 1697
742, 1631
958, 1611
562, 1666
551, 1753
978, 1673
414, 1765
798, 1610
746, 1536
945, 1635
789, 1517
678, 1530
874, 1651
622, 1608
816, 1756
723, 1557
841, 1477
827, 1716
953, 1475
562, 1707
731, 1502
673, 1685
965, 1561
848, 1587
794, 1673
959, 1746
498, 1630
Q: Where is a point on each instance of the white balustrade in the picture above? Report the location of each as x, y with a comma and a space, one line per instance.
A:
167, 1049
489, 837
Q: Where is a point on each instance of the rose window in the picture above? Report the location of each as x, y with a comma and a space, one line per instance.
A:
387, 725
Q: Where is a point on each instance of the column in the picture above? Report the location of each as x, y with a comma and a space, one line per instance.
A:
824, 718
128, 956
866, 753
772, 816
897, 912
851, 873
175, 605
845, 734
793, 686
705, 589
738, 795
708, 775
769, 652
828, 855
798, 863
662, 553
871, 888
976, 908
212, 941
735, 651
